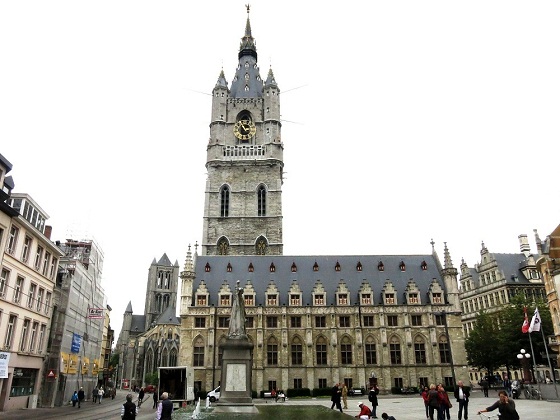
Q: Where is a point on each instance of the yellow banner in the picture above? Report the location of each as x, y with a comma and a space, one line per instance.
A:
64, 359
95, 367
73, 364
85, 365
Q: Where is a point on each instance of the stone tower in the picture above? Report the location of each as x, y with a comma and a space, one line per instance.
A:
244, 162
161, 290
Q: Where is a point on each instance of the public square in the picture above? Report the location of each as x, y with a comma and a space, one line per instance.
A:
409, 407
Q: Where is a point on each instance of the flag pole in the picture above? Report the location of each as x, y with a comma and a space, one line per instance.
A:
549, 363
534, 363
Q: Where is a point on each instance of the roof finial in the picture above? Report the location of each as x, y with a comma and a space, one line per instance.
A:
248, 6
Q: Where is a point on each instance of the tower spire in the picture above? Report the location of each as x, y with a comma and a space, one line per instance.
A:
248, 45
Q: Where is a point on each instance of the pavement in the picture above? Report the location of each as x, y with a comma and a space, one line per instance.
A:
403, 407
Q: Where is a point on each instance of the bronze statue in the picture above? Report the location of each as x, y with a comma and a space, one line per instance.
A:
237, 319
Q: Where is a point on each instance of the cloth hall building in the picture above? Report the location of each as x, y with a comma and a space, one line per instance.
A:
313, 320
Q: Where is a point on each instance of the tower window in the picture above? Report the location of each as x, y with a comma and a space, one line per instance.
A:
224, 201
261, 201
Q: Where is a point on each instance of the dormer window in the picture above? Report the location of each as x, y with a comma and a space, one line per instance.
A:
315, 266
272, 268
251, 267
343, 299
366, 299
413, 298
249, 300
389, 298
359, 266
402, 266
424, 265
229, 267
436, 298
224, 300
272, 300
207, 268
380, 266
200, 300
294, 300
319, 300
294, 267
337, 266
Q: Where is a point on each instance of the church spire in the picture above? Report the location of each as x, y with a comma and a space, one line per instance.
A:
248, 45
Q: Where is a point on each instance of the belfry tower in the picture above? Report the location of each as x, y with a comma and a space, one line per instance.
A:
244, 162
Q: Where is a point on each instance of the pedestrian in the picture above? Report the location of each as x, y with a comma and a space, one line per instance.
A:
462, 395
94, 394
335, 397
345, 396
165, 408
505, 406
507, 385
74, 398
433, 401
445, 404
385, 416
426, 400
100, 394
372, 397
365, 412
81, 396
155, 397
484, 385
129, 411
140, 397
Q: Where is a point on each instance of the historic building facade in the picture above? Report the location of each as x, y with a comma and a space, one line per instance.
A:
313, 320
493, 281
152, 339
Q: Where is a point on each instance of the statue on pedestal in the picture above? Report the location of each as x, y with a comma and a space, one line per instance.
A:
237, 319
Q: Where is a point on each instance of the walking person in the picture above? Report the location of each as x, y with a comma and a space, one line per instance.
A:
426, 401
505, 406
345, 396
365, 412
74, 398
485, 386
335, 397
81, 396
94, 394
165, 408
507, 385
444, 403
140, 397
462, 396
372, 397
100, 394
155, 397
129, 411
433, 401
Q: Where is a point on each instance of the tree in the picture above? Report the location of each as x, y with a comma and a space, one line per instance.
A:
482, 343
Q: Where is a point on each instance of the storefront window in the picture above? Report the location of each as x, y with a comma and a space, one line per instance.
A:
23, 382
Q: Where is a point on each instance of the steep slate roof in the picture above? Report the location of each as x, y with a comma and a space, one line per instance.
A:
164, 260
137, 324
306, 278
510, 265
168, 317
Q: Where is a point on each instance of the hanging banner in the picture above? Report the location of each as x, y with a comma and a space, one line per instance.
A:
95, 313
95, 367
64, 358
4, 362
85, 365
73, 364
76, 343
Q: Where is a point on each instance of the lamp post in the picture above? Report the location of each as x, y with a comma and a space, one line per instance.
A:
524, 357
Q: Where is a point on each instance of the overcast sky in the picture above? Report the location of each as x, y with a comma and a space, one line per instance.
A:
403, 121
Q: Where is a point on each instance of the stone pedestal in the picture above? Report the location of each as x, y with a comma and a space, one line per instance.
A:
235, 390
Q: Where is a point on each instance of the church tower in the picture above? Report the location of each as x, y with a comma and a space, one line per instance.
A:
161, 290
244, 162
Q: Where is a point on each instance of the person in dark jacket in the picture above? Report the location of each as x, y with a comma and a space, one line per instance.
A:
505, 406
129, 411
81, 396
372, 397
433, 401
155, 397
141, 396
165, 408
335, 397
462, 395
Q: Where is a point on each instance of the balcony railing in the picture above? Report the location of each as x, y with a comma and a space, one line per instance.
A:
243, 152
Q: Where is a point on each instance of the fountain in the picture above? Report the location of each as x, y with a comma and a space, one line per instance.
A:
196, 412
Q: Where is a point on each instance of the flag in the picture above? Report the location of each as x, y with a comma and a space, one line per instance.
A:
535, 322
525, 326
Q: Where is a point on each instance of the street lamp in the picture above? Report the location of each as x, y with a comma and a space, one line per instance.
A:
524, 357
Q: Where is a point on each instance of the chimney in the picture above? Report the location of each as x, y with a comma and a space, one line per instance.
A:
48, 231
524, 245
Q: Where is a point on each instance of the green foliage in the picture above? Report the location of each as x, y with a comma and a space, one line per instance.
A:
321, 392
114, 360
298, 392
483, 342
151, 378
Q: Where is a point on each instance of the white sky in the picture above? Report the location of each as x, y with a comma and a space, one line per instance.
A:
413, 120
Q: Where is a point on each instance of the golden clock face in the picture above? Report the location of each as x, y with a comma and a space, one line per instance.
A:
244, 129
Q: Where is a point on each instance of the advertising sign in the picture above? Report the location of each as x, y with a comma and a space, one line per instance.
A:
76, 342
95, 313
4, 362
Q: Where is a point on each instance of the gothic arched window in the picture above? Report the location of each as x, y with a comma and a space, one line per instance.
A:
223, 246
173, 357
224, 201
261, 245
198, 352
261, 201
164, 357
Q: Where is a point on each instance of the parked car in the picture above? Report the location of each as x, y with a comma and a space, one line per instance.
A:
214, 395
356, 391
149, 388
